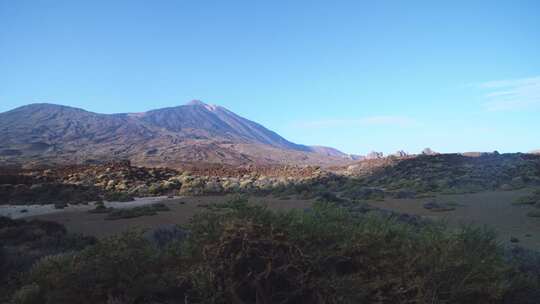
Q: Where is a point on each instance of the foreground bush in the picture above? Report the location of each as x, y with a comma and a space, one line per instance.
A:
22, 243
125, 213
237, 253
124, 269
329, 256
47, 193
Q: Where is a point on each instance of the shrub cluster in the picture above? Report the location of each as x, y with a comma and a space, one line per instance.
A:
22, 243
239, 253
116, 196
531, 200
455, 173
47, 193
153, 209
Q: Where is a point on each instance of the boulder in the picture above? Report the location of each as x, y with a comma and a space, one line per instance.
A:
110, 184
140, 189
428, 151
400, 154
121, 186
374, 155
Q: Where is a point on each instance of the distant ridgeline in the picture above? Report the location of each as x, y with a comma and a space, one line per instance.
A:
195, 133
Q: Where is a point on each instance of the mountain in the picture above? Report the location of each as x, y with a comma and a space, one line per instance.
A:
193, 133
217, 122
535, 151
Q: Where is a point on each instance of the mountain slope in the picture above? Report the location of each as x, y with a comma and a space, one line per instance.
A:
53, 124
192, 133
217, 122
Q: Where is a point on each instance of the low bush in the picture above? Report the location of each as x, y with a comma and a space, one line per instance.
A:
47, 193
534, 213
124, 269
100, 208
118, 197
25, 242
363, 193
438, 207
126, 213
526, 200
339, 258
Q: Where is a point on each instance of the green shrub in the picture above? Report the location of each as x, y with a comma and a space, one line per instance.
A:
534, 213
346, 259
126, 213
100, 208
60, 205
525, 200
28, 294
25, 242
124, 269
241, 253
118, 197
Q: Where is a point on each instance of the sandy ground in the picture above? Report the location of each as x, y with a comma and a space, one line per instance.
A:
80, 221
491, 209
23, 211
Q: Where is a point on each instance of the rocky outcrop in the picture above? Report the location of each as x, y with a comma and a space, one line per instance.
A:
374, 155
428, 151
140, 181
400, 154
399, 177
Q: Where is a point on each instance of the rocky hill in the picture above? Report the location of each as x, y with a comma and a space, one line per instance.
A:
456, 173
51, 134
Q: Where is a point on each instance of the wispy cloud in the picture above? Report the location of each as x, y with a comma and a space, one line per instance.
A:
396, 121
511, 94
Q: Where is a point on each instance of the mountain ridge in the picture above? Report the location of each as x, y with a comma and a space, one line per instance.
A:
190, 133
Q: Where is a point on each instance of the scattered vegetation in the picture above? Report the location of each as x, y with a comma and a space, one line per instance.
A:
118, 197
455, 173
239, 253
526, 200
126, 213
60, 205
530, 200
413, 177
100, 208
47, 193
438, 207
534, 213
25, 242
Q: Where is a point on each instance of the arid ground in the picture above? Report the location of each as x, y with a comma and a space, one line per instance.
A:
492, 209
182, 209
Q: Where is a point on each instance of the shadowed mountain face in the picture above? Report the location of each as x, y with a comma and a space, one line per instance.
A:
196, 132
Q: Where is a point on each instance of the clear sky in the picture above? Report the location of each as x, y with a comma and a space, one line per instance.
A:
355, 75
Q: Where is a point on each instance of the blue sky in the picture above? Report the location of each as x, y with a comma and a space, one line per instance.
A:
355, 75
